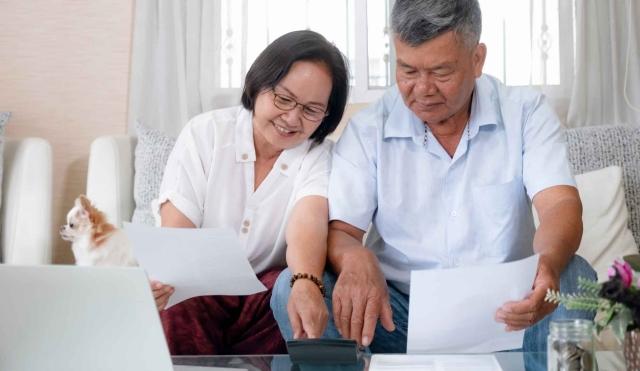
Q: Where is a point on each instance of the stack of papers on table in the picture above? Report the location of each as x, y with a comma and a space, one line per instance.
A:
205, 368
424, 362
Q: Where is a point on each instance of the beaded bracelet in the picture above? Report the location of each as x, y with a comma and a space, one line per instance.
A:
309, 277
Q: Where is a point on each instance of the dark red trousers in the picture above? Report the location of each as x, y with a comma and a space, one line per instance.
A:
225, 324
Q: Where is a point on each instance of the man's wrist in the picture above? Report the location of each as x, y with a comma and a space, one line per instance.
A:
355, 255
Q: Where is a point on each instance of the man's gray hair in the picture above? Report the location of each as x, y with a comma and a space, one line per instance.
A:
417, 21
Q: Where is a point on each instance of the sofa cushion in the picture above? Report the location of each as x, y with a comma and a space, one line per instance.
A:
4, 118
597, 147
150, 159
605, 219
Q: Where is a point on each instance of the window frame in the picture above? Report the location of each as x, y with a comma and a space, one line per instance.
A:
361, 92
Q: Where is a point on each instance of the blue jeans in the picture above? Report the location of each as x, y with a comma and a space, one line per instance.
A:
535, 337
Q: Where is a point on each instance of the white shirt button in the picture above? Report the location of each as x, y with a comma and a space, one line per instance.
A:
244, 156
246, 223
244, 230
284, 167
454, 213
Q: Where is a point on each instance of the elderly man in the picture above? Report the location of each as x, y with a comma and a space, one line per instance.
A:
446, 166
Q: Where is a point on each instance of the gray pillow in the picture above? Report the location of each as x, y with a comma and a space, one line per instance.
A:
151, 154
4, 117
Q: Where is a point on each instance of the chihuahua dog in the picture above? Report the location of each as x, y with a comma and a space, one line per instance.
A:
94, 241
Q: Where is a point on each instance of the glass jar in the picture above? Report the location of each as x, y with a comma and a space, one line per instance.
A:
570, 345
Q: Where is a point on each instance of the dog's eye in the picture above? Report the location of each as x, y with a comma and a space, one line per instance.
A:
71, 225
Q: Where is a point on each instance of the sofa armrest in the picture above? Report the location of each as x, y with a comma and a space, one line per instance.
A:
27, 202
110, 177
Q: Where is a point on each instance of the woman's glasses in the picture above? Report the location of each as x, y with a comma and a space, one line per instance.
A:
311, 113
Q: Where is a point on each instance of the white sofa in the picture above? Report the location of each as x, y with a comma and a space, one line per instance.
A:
110, 177
26, 202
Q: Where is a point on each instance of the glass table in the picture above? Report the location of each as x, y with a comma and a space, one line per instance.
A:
509, 361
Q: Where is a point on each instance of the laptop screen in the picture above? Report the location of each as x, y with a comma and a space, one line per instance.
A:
58, 317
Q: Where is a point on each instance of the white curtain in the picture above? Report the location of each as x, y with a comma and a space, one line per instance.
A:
606, 89
175, 63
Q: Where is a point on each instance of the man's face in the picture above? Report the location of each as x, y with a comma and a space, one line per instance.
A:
436, 78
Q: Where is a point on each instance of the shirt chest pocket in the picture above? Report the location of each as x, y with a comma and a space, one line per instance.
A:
498, 211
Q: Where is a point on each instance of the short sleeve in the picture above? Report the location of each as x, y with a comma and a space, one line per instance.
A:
545, 153
352, 184
184, 182
315, 172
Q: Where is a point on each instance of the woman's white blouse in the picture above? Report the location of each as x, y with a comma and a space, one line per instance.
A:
210, 178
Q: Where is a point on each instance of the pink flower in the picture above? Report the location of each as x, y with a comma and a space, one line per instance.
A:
623, 269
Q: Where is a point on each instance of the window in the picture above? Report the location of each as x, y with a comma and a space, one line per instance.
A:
526, 41
249, 26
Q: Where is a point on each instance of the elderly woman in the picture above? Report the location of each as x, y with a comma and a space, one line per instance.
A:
262, 169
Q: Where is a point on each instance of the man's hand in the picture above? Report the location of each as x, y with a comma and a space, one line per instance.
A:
307, 310
360, 297
556, 240
518, 315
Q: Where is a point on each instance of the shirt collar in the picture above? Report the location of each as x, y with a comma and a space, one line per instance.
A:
403, 123
288, 160
245, 150
485, 110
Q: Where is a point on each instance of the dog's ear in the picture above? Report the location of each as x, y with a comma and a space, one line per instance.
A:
83, 205
84, 202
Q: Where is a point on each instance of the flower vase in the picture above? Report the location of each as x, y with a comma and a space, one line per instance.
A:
632, 350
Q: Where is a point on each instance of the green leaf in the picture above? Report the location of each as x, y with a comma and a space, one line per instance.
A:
620, 322
587, 301
588, 286
634, 261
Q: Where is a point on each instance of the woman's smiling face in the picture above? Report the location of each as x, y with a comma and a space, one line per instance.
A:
307, 83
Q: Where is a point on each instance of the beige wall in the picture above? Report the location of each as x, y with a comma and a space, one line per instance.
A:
64, 71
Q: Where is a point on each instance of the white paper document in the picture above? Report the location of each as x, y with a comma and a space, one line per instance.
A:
205, 368
423, 362
195, 261
453, 310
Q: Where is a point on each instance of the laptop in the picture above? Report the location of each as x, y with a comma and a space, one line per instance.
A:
59, 317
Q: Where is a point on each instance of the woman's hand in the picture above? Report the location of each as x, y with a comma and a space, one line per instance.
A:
161, 293
307, 310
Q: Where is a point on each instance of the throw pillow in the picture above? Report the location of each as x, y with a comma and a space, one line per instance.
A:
4, 117
606, 234
151, 155
605, 219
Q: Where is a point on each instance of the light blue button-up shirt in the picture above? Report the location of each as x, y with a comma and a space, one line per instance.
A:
430, 210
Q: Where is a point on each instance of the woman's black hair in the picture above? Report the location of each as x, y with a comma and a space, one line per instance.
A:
273, 64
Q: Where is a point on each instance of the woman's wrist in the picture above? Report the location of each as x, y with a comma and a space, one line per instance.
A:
308, 277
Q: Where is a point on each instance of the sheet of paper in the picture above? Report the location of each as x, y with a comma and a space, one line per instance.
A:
453, 310
423, 362
204, 368
195, 261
